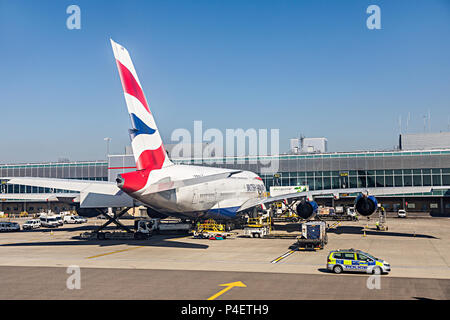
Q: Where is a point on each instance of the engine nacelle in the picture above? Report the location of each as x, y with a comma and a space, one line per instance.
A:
365, 205
307, 209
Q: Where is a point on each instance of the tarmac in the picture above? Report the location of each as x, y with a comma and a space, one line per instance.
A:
34, 264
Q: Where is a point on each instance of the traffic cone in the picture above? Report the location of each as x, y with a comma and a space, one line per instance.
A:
364, 235
51, 232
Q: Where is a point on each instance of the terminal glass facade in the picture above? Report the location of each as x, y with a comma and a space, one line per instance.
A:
91, 170
349, 170
318, 171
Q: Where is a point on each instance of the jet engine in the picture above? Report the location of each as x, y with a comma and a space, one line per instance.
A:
365, 205
307, 209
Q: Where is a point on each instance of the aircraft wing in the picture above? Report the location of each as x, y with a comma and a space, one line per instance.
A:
335, 192
102, 187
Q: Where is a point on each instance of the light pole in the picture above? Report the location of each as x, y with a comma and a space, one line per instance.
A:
107, 139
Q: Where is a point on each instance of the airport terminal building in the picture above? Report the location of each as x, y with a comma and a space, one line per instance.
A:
319, 171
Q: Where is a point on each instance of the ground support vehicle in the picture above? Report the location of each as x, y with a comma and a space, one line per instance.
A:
31, 224
49, 221
336, 217
71, 219
401, 213
210, 229
142, 231
313, 237
170, 226
258, 227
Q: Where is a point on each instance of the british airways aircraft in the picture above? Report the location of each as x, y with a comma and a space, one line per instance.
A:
186, 191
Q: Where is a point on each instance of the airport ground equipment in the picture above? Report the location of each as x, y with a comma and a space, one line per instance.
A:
170, 226
381, 224
142, 231
313, 237
258, 227
210, 229
23, 214
50, 221
284, 212
334, 225
71, 219
336, 217
31, 224
337, 214
339, 209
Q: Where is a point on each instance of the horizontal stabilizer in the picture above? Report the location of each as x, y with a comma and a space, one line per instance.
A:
102, 187
96, 200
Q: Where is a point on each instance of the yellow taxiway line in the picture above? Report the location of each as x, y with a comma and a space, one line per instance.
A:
228, 287
117, 251
287, 254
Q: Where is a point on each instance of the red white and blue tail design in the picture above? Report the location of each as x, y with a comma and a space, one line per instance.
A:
146, 142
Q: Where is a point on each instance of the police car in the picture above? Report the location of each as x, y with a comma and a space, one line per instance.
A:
356, 261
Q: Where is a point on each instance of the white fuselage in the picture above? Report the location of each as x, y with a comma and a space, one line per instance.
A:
218, 199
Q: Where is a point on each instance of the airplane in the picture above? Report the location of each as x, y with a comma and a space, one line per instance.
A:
188, 191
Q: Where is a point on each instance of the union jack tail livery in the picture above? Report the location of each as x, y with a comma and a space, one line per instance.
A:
148, 149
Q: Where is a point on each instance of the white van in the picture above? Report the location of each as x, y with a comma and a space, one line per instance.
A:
71, 219
49, 221
60, 220
31, 224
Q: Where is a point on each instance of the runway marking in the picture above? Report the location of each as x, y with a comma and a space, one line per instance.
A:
228, 286
117, 251
287, 254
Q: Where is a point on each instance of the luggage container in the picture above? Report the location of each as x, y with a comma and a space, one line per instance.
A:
314, 236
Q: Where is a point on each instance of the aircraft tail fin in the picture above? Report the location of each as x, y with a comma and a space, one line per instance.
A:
148, 148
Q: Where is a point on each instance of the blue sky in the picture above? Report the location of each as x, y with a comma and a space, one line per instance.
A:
309, 67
